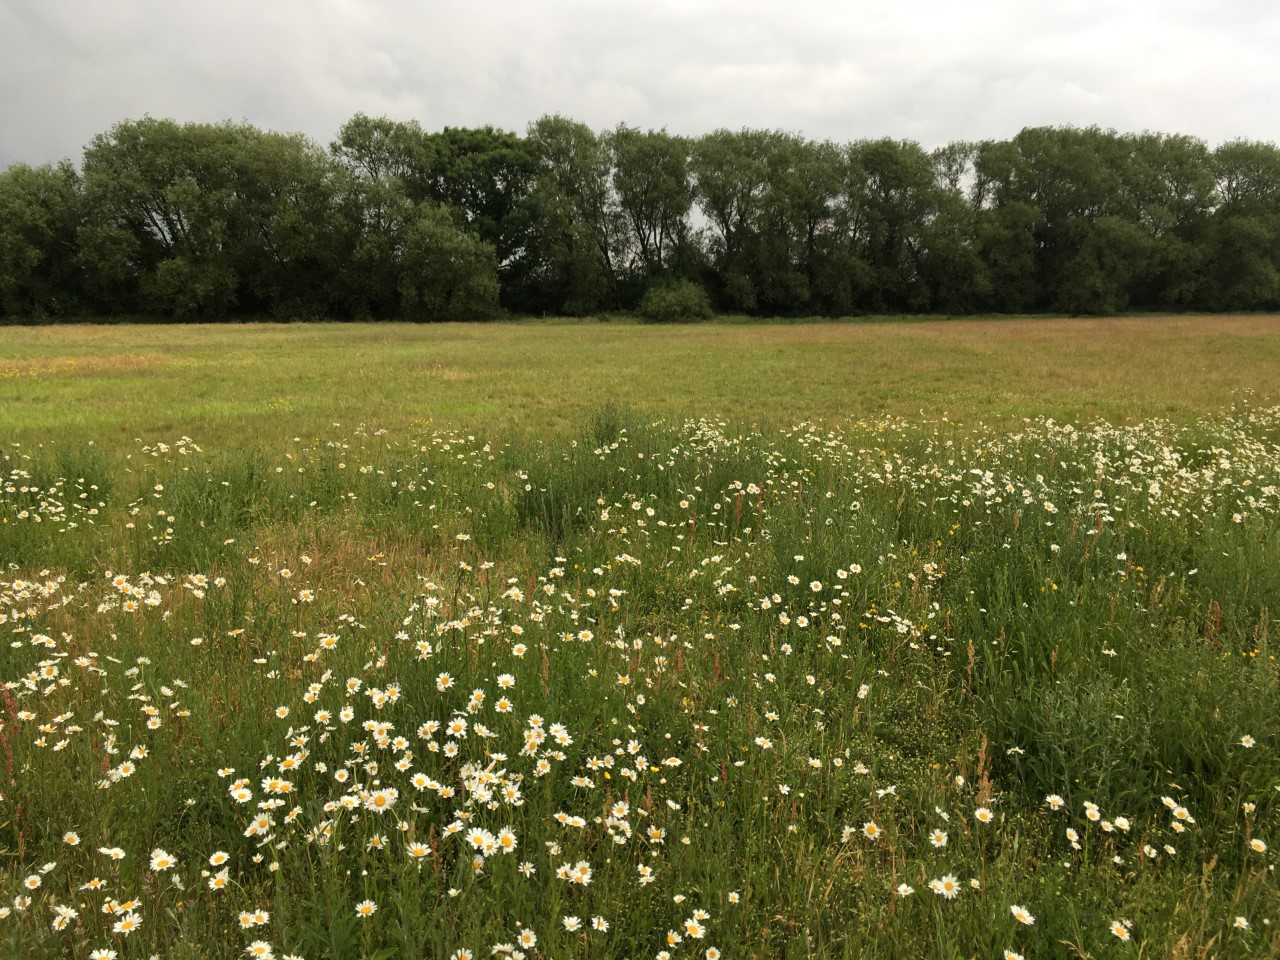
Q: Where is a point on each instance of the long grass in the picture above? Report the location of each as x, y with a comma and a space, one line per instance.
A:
643, 685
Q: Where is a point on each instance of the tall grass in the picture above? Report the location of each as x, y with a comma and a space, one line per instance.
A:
729, 690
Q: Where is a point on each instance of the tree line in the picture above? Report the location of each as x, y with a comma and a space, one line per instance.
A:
393, 221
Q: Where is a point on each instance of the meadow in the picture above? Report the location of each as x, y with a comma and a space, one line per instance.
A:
921, 639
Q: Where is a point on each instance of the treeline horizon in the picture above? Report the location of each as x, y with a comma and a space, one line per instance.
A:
391, 221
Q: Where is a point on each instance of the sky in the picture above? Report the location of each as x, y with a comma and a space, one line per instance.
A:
837, 69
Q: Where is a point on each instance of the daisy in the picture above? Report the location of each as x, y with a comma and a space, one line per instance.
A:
1022, 915
946, 886
127, 924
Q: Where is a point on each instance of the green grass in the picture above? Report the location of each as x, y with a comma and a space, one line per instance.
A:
217, 382
759, 639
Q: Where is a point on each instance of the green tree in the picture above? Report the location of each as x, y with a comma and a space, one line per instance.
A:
486, 175
813, 197
1005, 240
654, 192
952, 268
1243, 246
204, 220
730, 177
1171, 184
282, 223
1100, 276
578, 229
446, 273
793, 237
168, 188
896, 197
40, 211
383, 150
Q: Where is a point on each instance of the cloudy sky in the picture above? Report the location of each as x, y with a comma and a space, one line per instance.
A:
842, 69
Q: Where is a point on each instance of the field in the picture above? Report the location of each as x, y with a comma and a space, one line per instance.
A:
901, 639
113, 384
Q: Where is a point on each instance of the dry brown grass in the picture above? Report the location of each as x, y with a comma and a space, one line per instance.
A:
46, 367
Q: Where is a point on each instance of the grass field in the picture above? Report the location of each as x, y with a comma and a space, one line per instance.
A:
600, 640
216, 382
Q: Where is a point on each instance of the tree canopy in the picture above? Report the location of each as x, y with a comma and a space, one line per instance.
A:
197, 221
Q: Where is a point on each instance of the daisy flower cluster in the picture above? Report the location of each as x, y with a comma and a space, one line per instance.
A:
669, 690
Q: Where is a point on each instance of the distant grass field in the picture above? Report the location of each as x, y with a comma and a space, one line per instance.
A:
218, 381
611, 642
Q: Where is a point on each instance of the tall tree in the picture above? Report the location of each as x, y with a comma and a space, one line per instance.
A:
383, 150
203, 220
898, 197
1006, 224
1171, 183
579, 228
651, 182
207, 220
952, 268
1243, 249
446, 273
486, 175
413, 211
40, 211
731, 177
157, 198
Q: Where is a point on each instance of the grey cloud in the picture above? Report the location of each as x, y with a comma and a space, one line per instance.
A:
926, 70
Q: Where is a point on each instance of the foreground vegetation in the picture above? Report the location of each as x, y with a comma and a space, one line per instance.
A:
392, 221
623, 684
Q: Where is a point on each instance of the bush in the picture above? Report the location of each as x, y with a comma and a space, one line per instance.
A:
675, 302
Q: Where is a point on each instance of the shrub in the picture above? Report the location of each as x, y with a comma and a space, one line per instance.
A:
675, 302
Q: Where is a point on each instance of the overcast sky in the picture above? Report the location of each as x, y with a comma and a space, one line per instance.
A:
840, 69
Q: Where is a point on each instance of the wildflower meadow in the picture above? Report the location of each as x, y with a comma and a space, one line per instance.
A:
644, 686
